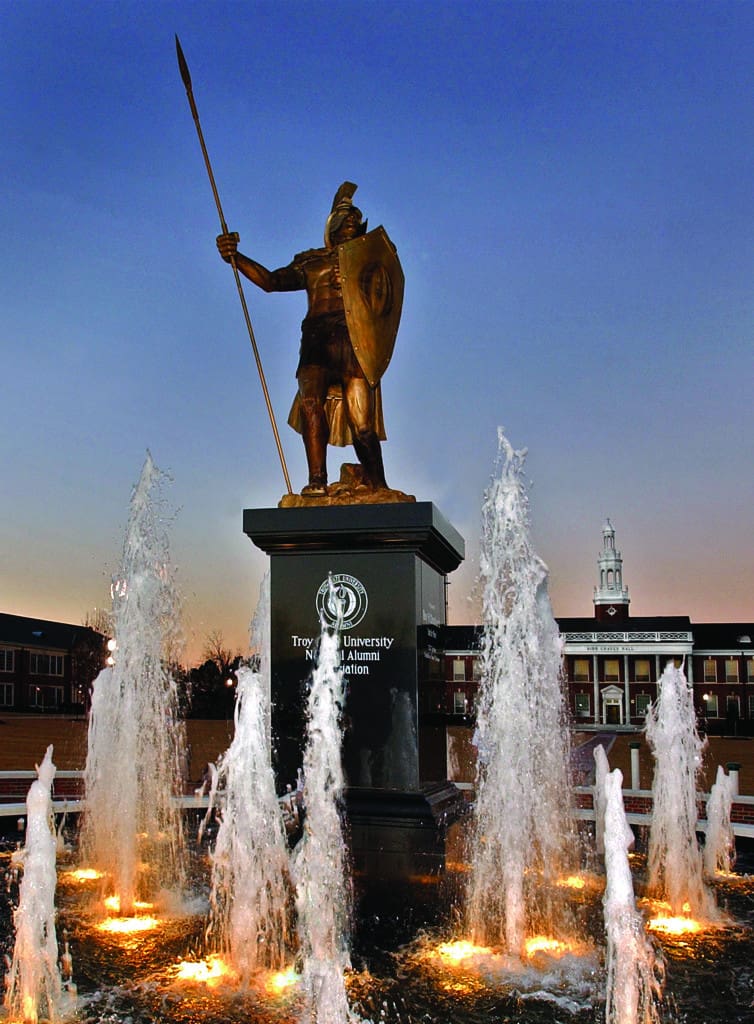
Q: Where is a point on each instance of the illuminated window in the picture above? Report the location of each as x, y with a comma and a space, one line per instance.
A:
476, 668
731, 670
750, 670
581, 670
641, 671
612, 670
582, 705
710, 704
710, 670
459, 703
459, 669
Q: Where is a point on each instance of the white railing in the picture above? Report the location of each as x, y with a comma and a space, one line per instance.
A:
659, 636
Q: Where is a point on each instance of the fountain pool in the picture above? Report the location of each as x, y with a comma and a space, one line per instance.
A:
405, 965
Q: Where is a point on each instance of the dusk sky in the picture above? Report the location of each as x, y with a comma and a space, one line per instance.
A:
569, 186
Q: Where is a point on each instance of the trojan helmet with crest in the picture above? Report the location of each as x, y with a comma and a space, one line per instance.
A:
342, 205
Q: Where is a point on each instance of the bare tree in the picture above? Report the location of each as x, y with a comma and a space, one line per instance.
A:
100, 620
215, 650
209, 688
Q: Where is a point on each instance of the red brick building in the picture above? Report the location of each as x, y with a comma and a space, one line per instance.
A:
612, 662
47, 666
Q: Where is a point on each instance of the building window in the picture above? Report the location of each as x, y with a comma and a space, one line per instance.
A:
710, 670
476, 668
751, 705
643, 701
7, 660
710, 703
581, 670
612, 670
582, 705
750, 670
731, 670
733, 707
459, 669
459, 703
46, 696
46, 664
641, 673
6, 695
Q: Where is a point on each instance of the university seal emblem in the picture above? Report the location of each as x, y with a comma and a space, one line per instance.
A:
342, 601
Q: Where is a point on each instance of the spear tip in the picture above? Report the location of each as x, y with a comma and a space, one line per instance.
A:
182, 65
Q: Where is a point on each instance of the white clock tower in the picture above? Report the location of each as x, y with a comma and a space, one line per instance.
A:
611, 598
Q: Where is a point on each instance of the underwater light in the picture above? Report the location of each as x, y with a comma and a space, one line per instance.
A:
455, 952
83, 875
281, 980
674, 925
211, 971
112, 903
572, 882
545, 944
126, 925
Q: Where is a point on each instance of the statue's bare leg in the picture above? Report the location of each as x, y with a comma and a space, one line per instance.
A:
312, 387
360, 408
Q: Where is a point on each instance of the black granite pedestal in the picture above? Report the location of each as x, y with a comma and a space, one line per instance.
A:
389, 565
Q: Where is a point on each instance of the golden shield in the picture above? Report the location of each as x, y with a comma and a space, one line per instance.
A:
372, 282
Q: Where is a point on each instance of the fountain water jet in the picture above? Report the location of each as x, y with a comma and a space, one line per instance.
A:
675, 860
249, 924
249, 885
634, 977
34, 986
720, 842
523, 836
601, 770
323, 896
136, 740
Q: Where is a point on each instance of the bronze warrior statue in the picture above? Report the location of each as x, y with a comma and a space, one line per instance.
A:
354, 285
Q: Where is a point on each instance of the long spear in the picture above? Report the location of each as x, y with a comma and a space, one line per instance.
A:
183, 66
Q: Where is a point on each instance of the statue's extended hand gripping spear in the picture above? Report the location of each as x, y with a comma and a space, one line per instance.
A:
189, 92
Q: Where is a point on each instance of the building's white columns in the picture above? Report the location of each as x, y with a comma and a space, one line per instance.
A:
596, 690
626, 690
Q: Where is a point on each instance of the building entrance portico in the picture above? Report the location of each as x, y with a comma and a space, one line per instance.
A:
612, 705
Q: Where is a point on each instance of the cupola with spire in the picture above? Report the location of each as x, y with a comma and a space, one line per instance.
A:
611, 598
